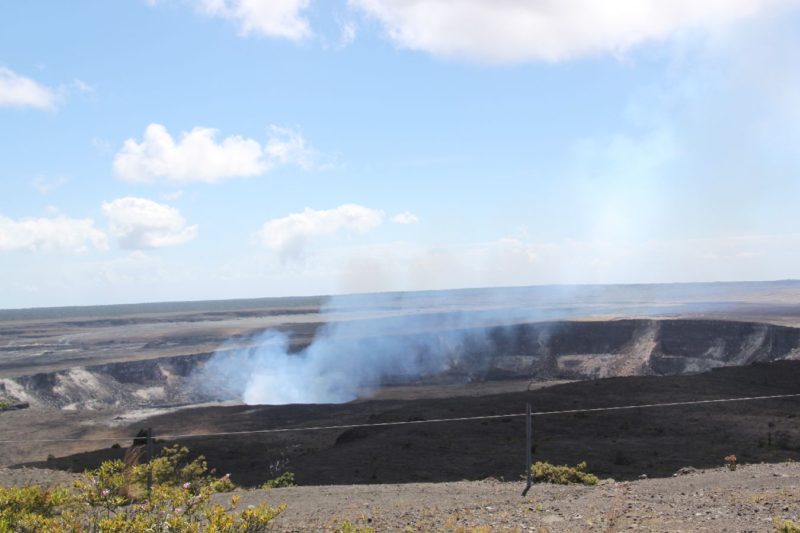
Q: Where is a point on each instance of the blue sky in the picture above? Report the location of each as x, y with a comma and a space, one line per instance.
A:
179, 149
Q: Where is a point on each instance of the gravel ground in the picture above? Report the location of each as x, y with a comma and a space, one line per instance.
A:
15, 477
710, 500
747, 499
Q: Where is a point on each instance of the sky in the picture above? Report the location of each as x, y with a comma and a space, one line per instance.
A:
155, 150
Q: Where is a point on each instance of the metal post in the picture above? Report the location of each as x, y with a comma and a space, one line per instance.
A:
528, 448
149, 461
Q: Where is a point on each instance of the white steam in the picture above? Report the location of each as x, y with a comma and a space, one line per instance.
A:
348, 358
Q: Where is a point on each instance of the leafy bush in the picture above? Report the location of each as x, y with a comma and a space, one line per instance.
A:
563, 475
4, 404
31, 508
284, 480
114, 498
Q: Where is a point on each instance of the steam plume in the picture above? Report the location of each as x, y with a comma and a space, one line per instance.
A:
349, 357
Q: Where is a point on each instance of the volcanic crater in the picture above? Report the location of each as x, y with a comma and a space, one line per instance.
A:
87, 377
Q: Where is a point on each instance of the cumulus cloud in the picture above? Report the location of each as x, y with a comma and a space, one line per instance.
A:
520, 30
139, 223
199, 157
266, 18
19, 91
406, 217
49, 234
289, 236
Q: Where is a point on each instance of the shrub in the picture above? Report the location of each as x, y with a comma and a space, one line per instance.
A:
31, 508
114, 498
284, 480
349, 527
730, 462
563, 475
786, 526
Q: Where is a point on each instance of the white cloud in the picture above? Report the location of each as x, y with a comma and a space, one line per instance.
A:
290, 235
402, 266
18, 91
348, 34
706, 139
102, 145
288, 147
81, 86
48, 185
135, 267
58, 233
198, 157
406, 217
174, 195
550, 30
139, 223
268, 18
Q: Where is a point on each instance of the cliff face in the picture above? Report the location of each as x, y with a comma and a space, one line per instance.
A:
581, 350
537, 351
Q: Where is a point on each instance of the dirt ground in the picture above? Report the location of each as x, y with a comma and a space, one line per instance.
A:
748, 499
711, 500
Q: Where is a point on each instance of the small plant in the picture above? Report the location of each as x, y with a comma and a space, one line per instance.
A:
114, 498
348, 527
4, 405
543, 472
785, 526
730, 462
284, 480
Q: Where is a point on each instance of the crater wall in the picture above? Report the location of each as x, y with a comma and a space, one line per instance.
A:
536, 351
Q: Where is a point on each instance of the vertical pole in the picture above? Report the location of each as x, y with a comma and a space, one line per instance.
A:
149, 461
528, 448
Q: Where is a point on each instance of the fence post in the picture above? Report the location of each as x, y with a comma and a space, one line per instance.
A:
528, 448
149, 461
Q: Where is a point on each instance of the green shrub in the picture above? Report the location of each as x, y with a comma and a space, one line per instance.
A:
114, 498
30, 508
786, 526
563, 475
284, 480
4, 404
348, 527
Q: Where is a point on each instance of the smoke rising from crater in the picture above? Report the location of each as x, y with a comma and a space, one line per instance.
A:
349, 357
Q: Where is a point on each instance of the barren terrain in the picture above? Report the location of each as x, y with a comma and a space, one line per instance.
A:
748, 499
106, 373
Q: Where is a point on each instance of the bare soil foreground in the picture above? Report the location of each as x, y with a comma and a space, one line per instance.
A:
748, 499
711, 500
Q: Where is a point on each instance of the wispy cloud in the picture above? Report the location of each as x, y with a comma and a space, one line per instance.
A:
17, 90
47, 185
406, 217
348, 33
50, 234
290, 236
